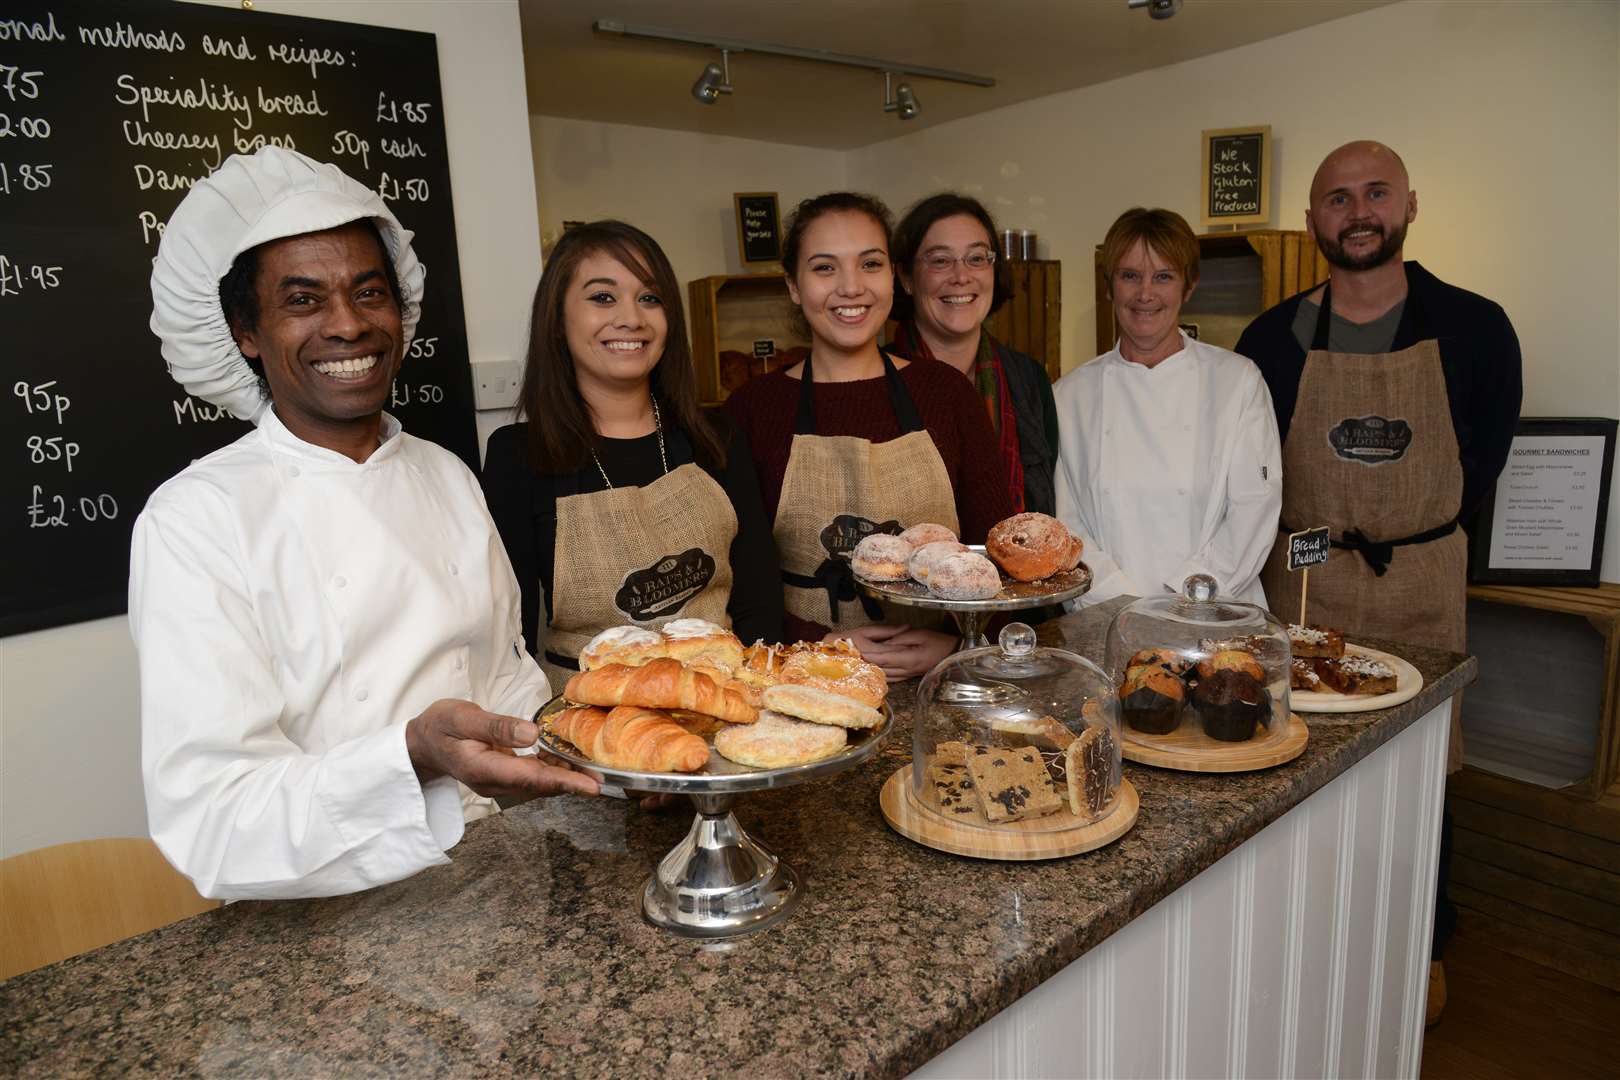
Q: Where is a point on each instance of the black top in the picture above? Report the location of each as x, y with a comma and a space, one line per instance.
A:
524, 506
1479, 354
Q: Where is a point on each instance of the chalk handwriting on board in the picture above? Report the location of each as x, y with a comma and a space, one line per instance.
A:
109, 115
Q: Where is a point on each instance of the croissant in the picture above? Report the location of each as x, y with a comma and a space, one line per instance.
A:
632, 738
659, 684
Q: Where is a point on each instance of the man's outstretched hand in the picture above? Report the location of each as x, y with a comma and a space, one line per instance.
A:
457, 738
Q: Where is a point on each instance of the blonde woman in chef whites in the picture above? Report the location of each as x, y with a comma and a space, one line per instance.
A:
1169, 462
618, 501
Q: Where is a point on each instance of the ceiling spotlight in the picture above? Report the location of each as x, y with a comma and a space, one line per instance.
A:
1158, 9
715, 80
899, 99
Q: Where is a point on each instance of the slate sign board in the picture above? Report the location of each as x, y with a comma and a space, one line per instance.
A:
1309, 548
108, 113
759, 227
1237, 176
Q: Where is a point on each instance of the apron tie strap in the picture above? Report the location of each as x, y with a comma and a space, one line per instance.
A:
835, 576
569, 662
1380, 553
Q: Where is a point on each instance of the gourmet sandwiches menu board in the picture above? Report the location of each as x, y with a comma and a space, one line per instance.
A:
109, 113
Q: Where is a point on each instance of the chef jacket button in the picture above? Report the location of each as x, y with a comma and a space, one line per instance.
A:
453, 570
339, 582
360, 694
292, 470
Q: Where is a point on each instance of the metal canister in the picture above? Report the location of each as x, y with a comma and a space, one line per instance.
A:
1026, 244
1009, 243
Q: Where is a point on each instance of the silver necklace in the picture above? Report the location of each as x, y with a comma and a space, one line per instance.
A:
658, 427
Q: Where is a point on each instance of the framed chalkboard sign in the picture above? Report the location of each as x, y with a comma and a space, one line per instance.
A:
759, 227
113, 112
1544, 521
1237, 176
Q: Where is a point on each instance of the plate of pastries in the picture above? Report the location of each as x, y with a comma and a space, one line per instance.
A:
1329, 675
1027, 557
688, 701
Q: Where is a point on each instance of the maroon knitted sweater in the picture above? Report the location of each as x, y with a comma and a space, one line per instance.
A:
952, 411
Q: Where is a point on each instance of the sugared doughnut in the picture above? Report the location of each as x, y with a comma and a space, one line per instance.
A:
924, 558
926, 533
629, 645
881, 557
1030, 546
777, 741
838, 674
965, 575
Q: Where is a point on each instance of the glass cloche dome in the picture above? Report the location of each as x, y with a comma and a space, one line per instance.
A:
1014, 735
1199, 663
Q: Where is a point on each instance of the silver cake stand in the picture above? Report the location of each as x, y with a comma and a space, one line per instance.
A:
971, 615
718, 881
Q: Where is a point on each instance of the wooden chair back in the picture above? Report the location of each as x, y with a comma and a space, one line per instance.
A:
60, 901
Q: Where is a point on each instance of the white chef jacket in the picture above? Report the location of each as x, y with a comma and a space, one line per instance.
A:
1169, 471
292, 609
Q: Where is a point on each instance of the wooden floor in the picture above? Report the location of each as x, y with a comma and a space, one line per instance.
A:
1511, 1017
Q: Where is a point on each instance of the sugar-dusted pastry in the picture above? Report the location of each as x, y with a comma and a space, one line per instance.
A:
1315, 641
927, 533
1012, 785
965, 575
821, 706
702, 644
777, 741
1302, 675
1032, 546
1355, 674
881, 557
924, 558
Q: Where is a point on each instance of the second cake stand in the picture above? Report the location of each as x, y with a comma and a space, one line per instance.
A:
971, 615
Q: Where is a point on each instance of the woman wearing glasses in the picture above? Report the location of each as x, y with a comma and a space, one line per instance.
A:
950, 283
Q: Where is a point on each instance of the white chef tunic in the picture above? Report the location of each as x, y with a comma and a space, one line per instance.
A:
1169, 471
292, 609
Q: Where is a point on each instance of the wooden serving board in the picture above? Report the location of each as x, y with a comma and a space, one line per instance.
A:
1190, 750
1051, 837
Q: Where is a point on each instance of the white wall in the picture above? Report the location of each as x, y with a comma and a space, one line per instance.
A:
674, 185
1507, 114
69, 723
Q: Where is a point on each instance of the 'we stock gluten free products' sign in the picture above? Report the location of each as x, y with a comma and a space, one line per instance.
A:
1237, 176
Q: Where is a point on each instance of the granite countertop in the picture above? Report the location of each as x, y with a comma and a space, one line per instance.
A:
529, 954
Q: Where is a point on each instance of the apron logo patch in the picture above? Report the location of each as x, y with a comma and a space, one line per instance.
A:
662, 588
846, 530
1370, 440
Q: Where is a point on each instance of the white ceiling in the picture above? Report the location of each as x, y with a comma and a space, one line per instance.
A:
1031, 47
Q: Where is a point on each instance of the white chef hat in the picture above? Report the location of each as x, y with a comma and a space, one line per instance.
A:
251, 199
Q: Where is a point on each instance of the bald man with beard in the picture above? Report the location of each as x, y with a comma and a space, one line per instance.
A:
1397, 396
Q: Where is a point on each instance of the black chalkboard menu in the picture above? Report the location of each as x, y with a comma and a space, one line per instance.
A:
1237, 176
109, 112
759, 227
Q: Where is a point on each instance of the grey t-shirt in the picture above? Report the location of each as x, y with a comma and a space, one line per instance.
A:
1345, 336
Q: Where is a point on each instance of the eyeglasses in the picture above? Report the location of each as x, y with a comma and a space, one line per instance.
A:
942, 262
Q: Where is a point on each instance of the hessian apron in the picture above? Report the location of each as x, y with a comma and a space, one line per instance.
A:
840, 488
638, 556
1372, 454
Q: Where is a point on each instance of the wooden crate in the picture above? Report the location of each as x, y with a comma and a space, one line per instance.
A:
1289, 263
729, 313
1032, 321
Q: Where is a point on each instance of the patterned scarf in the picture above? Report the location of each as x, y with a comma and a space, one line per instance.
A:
989, 375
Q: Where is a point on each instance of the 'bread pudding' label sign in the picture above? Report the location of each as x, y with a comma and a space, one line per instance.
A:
664, 586
1370, 440
847, 530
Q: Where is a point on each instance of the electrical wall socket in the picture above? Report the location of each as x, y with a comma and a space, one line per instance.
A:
495, 383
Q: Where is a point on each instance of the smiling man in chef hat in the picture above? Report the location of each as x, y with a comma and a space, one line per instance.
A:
322, 609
